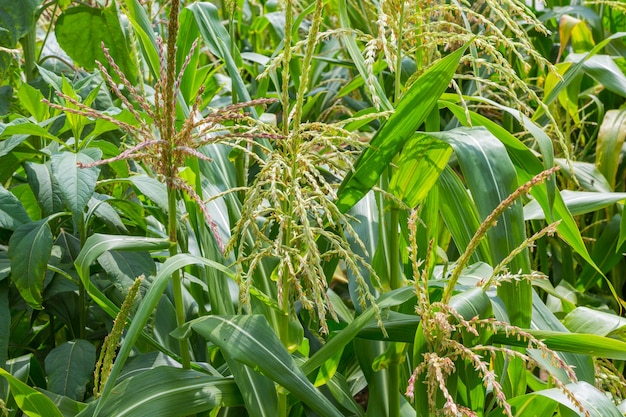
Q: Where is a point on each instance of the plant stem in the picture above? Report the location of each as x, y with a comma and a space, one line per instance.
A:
82, 311
394, 282
176, 278
168, 133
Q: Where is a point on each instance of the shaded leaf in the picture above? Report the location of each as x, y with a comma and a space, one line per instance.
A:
70, 367
12, 213
81, 31
30, 247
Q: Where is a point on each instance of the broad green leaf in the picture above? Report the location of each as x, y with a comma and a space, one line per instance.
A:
100, 208
167, 392
400, 327
597, 403
577, 202
32, 402
30, 247
459, 214
96, 245
146, 37
16, 20
580, 343
604, 70
45, 187
70, 367
99, 244
81, 31
491, 177
31, 98
568, 98
519, 153
410, 113
76, 184
587, 175
576, 30
611, 137
257, 390
587, 320
12, 212
528, 166
20, 127
251, 341
471, 303
421, 162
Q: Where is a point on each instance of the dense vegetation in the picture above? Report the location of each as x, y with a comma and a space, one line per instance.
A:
297, 208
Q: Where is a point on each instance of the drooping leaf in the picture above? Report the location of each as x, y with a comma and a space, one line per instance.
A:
604, 70
30, 247
454, 201
12, 213
32, 402
251, 341
96, 245
577, 202
124, 267
70, 367
410, 113
593, 400
153, 189
167, 392
587, 320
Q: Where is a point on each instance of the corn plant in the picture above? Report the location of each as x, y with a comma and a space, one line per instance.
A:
311, 208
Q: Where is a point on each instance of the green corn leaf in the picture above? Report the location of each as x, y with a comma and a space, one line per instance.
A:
251, 341
218, 40
587, 320
544, 402
96, 245
577, 202
611, 137
150, 300
421, 162
412, 110
459, 214
32, 402
574, 71
167, 392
